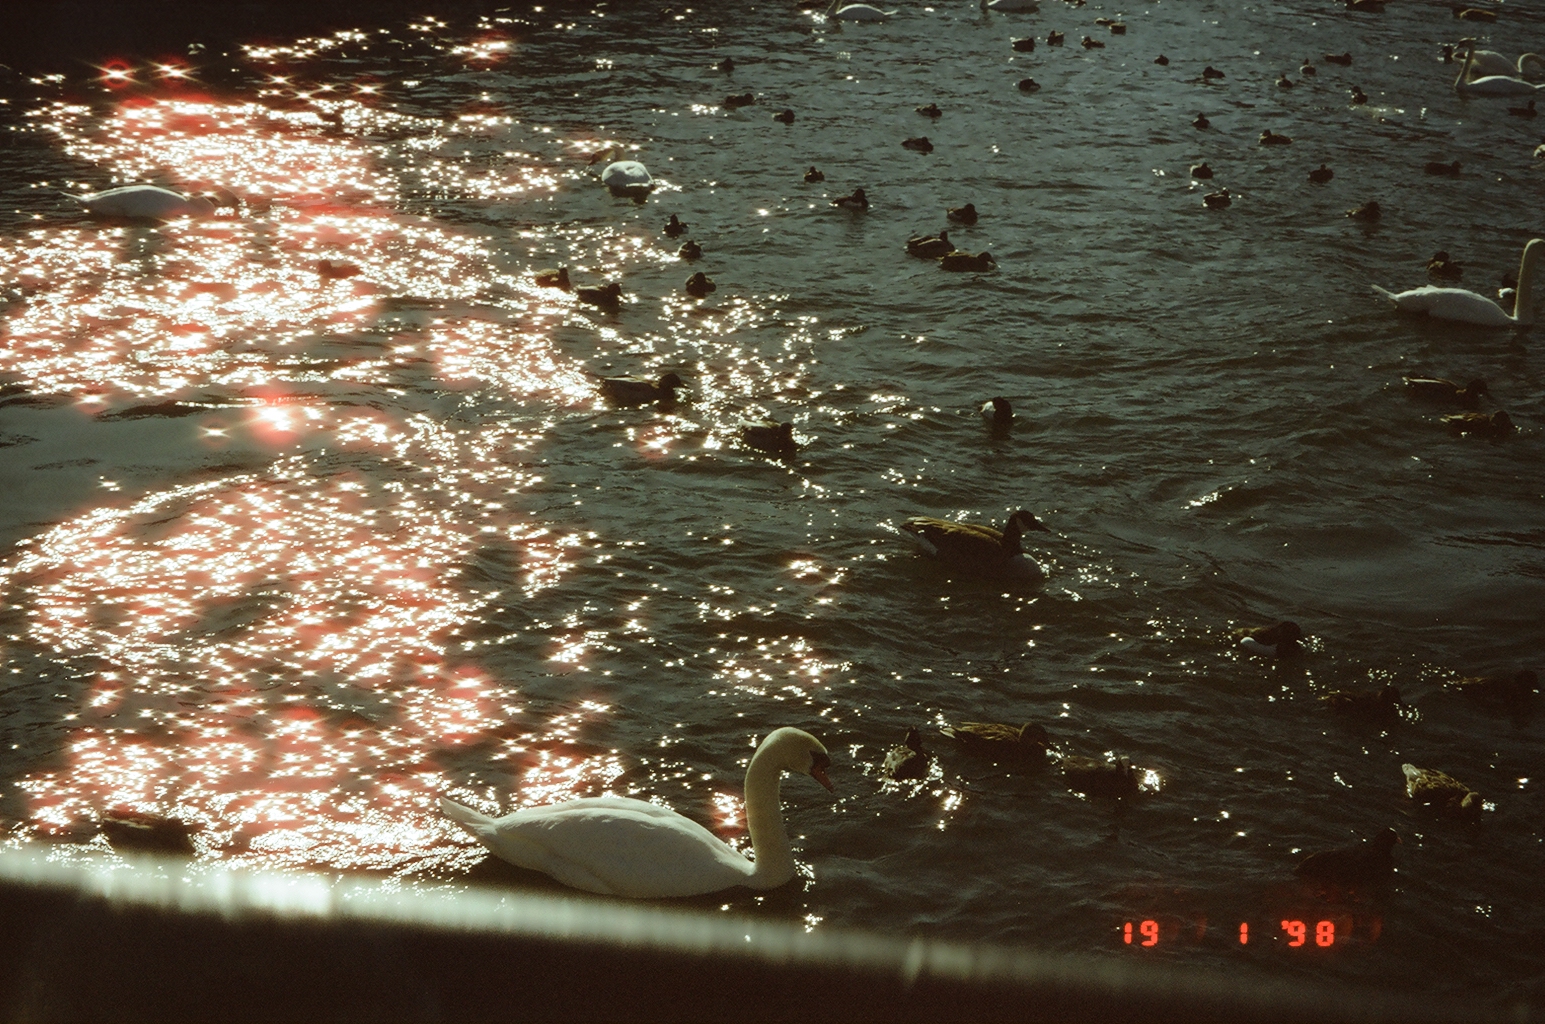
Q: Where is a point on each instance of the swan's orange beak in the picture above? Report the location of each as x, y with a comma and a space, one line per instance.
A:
819, 775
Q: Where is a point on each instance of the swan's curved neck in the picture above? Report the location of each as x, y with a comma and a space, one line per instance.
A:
1464, 69
833, 8
1523, 298
764, 818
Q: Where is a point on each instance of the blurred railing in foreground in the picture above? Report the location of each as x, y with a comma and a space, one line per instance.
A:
149, 938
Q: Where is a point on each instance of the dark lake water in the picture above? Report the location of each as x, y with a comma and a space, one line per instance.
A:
288, 554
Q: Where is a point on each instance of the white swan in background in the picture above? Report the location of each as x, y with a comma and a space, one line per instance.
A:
856, 12
151, 202
621, 847
1529, 66
1489, 85
627, 177
1469, 307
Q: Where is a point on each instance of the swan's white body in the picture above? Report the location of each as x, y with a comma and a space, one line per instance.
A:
1470, 307
144, 202
621, 847
1529, 66
856, 12
627, 176
1491, 85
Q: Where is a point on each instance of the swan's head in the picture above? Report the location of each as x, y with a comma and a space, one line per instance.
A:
795, 750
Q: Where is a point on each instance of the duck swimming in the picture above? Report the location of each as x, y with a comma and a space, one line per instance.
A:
1343, 59
690, 250
997, 414
1440, 169
856, 201
961, 214
1516, 689
812, 176
1358, 96
1201, 122
674, 228
930, 247
1028, 742
1055, 38
1279, 641
1368, 213
931, 110
769, 438
1099, 777
699, 285
918, 145
1498, 424
1219, 200
638, 391
1271, 138
1444, 267
784, 116
608, 296
1321, 175
1029, 85
554, 279
978, 550
978, 263
745, 99
617, 846
906, 760
1436, 389
856, 12
1201, 172
1443, 792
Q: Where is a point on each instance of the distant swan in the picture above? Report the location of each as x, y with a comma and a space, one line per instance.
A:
627, 177
1489, 85
1469, 307
616, 846
150, 202
856, 12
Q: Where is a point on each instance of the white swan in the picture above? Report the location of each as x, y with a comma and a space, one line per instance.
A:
1469, 307
1529, 66
150, 202
1489, 85
856, 12
627, 176
621, 847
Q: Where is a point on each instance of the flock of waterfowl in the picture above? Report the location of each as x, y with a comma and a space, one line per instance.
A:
633, 848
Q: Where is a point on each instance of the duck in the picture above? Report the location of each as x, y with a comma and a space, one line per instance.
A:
1467, 306
1446, 392
769, 437
151, 203
856, 12
1027, 742
618, 846
1489, 85
1474, 14
1201, 122
1370, 6
918, 145
1365, 705
152, 833
1017, 6
330, 270
1342, 59
690, 250
1271, 138
906, 760
1443, 170
1497, 424
1056, 38
1524, 111
744, 99
1284, 82
674, 228
930, 110
1209, 73
726, 65
1161, 60
1358, 96
977, 263
608, 296
1023, 45
1096, 777
627, 177
812, 176
997, 413
1279, 641
1201, 172
961, 214
1368, 213
1444, 267
638, 391
1092, 44
856, 201
1307, 68
699, 285
979, 550
930, 247
1219, 200
1118, 28
1443, 792
784, 116
1516, 689
1370, 861
1029, 85
1322, 174
554, 279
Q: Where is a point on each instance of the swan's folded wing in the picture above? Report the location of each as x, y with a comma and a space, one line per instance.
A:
624, 848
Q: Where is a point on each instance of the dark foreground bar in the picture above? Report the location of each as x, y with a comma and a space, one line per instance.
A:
160, 939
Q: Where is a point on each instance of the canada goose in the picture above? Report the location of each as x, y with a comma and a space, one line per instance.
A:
1446, 392
638, 391
1443, 792
975, 549
1369, 861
